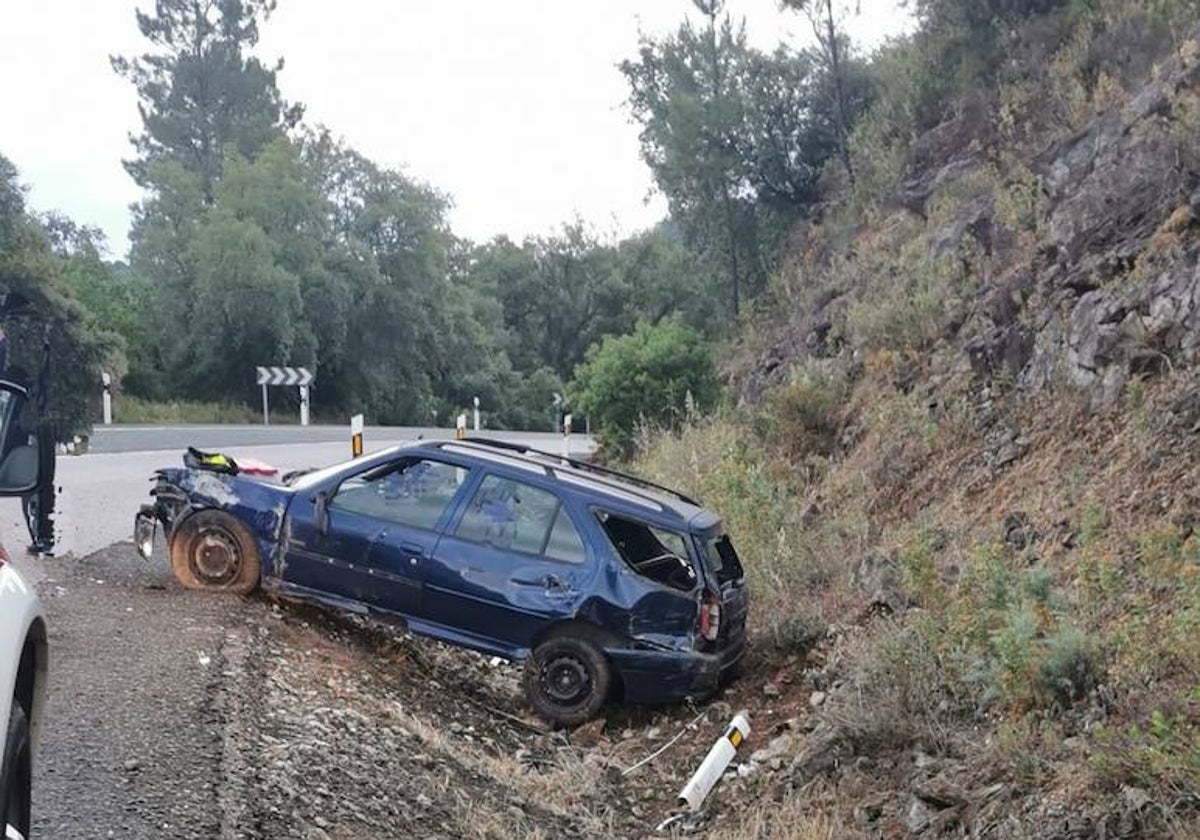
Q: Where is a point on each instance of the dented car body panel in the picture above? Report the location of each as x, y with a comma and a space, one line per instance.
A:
493, 551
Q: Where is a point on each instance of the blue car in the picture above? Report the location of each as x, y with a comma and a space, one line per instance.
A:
606, 586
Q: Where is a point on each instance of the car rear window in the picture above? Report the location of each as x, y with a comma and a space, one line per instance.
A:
652, 552
721, 559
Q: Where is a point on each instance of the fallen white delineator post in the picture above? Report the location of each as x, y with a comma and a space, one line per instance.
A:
709, 772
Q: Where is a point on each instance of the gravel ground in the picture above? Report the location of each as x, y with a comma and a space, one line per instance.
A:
173, 715
133, 732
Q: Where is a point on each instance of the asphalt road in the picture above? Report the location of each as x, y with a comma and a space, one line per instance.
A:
100, 492
110, 439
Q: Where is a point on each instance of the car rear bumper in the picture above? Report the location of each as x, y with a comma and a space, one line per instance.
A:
665, 676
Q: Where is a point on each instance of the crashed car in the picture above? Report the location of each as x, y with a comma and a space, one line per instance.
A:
606, 586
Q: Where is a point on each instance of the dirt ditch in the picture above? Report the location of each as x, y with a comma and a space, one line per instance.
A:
351, 729
172, 715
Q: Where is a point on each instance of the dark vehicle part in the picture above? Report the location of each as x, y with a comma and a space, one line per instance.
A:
567, 680
655, 553
27, 461
27, 442
212, 461
15, 781
213, 552
584, 466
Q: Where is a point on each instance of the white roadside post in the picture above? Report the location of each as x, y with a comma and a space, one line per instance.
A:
477, 414
356, 435
714, 764
566, 435
106, 379
303, 405
264, 377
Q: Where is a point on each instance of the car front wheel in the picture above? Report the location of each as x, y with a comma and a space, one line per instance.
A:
15, 777
213, 552
567, 680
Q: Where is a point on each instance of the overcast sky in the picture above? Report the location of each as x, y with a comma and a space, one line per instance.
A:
514, 108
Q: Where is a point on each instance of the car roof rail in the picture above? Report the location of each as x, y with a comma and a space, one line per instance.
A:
582, 466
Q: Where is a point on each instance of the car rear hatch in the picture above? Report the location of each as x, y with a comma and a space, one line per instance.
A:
726, 579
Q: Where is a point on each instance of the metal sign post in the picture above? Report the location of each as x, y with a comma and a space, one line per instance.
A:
301, 377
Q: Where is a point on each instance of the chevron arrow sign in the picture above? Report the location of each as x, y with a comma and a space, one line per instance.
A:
284, 376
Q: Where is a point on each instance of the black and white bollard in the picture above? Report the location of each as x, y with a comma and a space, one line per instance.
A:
709, 772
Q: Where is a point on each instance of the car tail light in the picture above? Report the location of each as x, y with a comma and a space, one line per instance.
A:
4, 559
710, 616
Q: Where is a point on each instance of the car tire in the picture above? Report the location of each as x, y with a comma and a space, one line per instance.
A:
213, 552
16, 773
567, 680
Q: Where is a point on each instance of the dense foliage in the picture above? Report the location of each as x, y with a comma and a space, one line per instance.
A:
654, 376
263, 240
30, 268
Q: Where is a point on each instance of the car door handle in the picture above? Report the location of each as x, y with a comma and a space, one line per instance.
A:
413, 550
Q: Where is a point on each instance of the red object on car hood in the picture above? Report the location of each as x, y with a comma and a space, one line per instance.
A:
253, 466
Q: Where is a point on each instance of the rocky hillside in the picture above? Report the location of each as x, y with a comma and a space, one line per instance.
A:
963, 469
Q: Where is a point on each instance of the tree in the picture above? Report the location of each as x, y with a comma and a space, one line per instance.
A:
959, 43
681, 94
736, 141
204, 100
80, 348
826, 19
644, 377
201, 94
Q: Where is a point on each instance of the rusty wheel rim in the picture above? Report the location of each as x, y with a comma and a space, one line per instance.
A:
216, 557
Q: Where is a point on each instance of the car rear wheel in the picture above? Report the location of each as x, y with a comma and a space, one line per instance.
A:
567, 680
15, 777
213, 552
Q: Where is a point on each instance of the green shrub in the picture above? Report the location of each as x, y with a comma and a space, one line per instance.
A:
910, 313
1070, 668
1162, 755
895, 691
127, 409
644, 377
802, 415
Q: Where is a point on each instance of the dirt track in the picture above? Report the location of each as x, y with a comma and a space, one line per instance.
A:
172, 715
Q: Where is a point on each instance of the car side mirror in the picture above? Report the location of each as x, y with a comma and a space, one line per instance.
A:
321, 511
26, 443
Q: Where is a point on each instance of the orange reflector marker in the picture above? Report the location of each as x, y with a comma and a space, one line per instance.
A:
356, 435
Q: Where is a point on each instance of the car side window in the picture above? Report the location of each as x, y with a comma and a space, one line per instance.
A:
413, 492
513, 516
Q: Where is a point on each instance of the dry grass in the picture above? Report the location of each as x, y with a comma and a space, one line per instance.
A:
1098, 619
813, 815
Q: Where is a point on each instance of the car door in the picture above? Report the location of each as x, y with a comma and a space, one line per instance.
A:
510, 561
379, 527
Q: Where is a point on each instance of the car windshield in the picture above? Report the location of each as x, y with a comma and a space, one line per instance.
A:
310, 479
